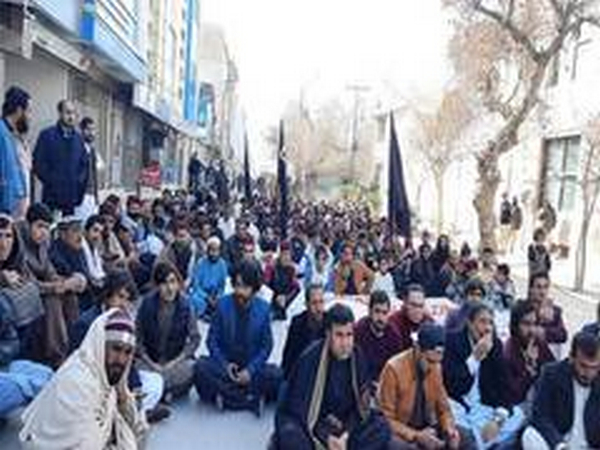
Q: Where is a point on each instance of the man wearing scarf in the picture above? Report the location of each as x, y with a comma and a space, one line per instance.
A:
327, 403
88, 405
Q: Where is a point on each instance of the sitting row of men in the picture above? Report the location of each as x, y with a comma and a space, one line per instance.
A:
455, 389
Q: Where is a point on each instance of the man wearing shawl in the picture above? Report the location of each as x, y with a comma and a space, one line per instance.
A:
87, 405
327, 403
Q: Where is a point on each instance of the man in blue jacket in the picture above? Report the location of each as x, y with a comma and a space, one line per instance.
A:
566, 407
13, 176
208, 280
236, 374
61, 162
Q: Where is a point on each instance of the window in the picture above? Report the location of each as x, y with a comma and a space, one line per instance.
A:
560, 172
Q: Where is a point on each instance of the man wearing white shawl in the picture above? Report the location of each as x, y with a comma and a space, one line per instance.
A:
87, 405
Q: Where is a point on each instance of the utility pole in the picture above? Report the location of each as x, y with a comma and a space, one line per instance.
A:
358, 90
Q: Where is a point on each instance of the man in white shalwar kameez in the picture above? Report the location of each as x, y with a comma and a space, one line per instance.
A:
87, 405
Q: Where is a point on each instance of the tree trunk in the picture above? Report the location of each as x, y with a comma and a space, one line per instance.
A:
488, 170
439, 187
485, 198
581, 254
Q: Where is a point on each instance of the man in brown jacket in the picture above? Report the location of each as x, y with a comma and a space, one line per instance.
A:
351, 276
413, 398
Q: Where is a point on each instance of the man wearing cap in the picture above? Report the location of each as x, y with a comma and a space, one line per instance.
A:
67, 257
413, 398
88, 405
208, 279
14, 161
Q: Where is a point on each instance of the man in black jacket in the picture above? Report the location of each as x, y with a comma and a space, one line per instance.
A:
61, 162
327, 402
475, 378
566, 408
305, 328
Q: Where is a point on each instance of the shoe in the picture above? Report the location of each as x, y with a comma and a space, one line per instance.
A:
158, 414
259, 409
219, 402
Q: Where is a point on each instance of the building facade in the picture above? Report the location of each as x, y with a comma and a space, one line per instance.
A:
134, 66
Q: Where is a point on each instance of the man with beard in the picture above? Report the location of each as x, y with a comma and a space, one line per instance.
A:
305, 328
374, 337
475, 377
236, 375
208, 280
525, 353
551, 326
327, 403
182, 252
89, 204
282, 280
87, 404
404, 323
61, 162
14, 174
414, 400
566, 408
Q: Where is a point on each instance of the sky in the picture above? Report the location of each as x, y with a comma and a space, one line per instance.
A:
320, 47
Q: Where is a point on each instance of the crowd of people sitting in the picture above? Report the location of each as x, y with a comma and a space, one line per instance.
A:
99, 330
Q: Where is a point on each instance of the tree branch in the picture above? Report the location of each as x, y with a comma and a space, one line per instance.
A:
507, 24
558, 9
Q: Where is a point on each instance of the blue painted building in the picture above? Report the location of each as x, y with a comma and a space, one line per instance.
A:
111, 29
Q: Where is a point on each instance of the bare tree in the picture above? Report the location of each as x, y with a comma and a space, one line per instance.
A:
589, 183
439, 144
502, 50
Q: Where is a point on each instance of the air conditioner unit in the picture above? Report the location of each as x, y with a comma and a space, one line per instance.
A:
16, 28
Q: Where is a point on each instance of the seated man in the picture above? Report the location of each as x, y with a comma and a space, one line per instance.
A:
305, 328
475, 293
120, 292
20, 380
475, 378
236, 375
327, 403
566, 408
413, 398
351, 276
551, 326
58, 294
208, 280
374, 337
167, 332
406, 322
87, 404
524, 354
282, 279
67, 257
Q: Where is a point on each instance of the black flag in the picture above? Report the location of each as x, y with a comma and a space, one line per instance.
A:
282, 185
247, 177
398, 210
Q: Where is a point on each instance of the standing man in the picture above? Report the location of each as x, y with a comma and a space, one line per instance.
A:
14, 176
90, 200
505, 222
61, 162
